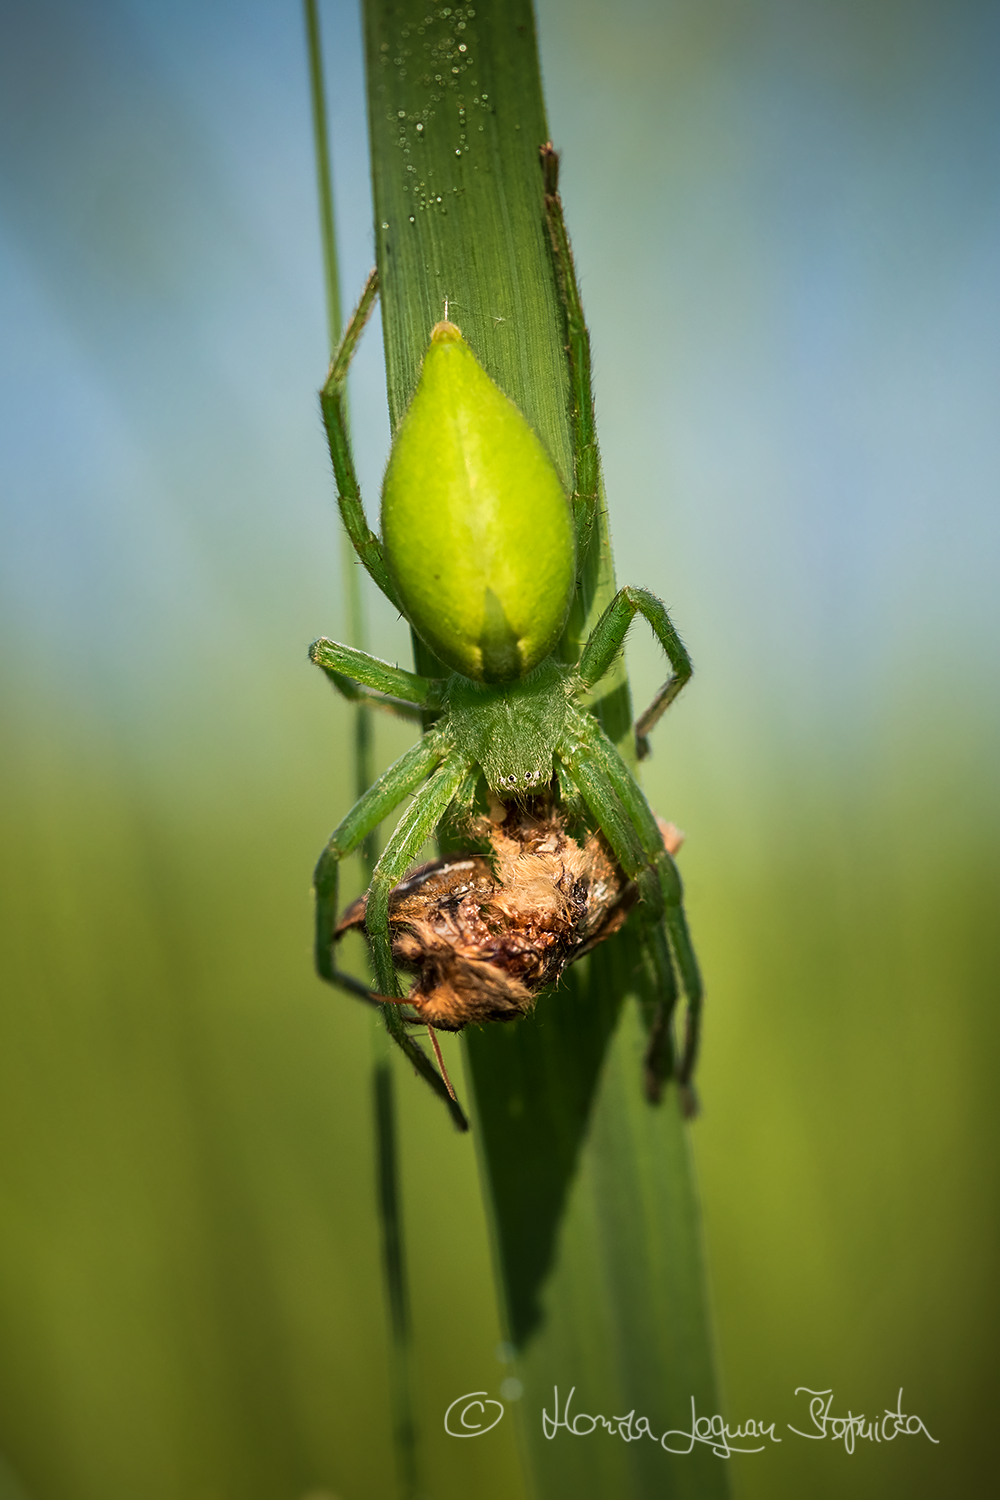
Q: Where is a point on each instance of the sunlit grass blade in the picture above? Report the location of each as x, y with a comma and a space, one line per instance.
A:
589, 1188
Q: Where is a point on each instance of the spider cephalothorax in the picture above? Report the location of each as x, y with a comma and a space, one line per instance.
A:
511, 730
481, 550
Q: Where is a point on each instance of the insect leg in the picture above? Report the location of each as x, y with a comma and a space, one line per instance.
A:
332, 400
607, 638
352, 672
586, 458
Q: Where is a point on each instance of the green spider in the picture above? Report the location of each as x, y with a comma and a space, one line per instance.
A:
481, 551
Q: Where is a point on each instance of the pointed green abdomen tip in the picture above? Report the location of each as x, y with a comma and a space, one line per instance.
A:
445, 333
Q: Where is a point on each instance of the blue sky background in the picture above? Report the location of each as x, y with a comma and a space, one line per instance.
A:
787, 233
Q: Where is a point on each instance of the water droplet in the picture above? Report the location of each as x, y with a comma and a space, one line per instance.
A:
401, 114
458, 150
419, 127
413, 219
385, 224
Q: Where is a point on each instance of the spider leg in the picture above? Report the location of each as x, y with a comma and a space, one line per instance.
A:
586, 459
402, 778
627, 822
660, 1062
350, 690
332, 400
584, 768
671, 889
412, 831
607, 638
365, 679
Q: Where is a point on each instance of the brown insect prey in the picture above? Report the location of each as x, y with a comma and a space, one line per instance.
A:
484, 934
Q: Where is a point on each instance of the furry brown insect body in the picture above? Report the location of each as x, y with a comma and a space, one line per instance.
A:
485, 934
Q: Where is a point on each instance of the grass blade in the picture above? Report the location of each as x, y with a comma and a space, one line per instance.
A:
387, 1196
590, 1189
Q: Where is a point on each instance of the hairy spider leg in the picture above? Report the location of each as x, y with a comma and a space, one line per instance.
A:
586, 458
660, 1062
582, 762
402, 778
415, 827
609, 634
671, 893
607, 639
350, 690
332, 400
604, 643
366, 679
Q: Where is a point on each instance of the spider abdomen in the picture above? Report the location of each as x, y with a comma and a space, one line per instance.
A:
476, 525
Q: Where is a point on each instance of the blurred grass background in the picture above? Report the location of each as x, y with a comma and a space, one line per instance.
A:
787, 229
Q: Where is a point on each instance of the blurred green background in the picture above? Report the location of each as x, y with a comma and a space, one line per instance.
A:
787, 229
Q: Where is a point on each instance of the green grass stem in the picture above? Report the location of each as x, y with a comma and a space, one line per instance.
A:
589, 1189
388, 1190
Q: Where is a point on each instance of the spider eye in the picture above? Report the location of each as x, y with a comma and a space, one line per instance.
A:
529, 776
